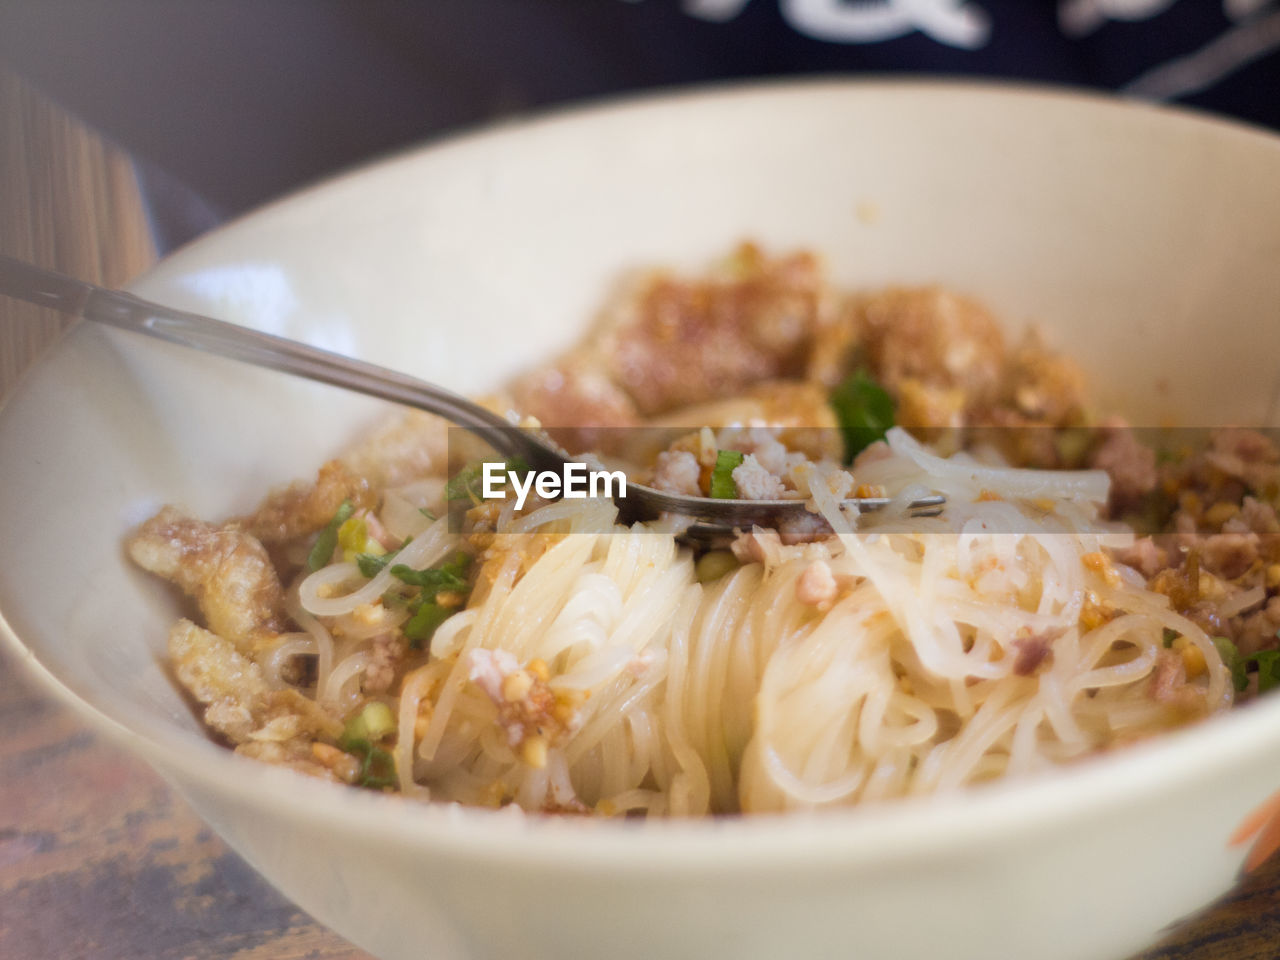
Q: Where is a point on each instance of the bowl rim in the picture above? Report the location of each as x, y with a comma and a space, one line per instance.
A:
869, 834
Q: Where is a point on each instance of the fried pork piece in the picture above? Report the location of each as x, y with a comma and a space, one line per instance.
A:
942, 340
1042, 386
834, 350
403, 450
573, 399
224, 569
239, 704
677, 341
301, 509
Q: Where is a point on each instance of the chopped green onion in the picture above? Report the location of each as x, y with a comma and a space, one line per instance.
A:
354, 540
372, 723
864, 411
377, 766
723, 486
322, 551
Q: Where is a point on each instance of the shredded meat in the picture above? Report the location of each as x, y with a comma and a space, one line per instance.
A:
224, 569
762, 443
798, 413
1033, 652
1169, 684
1144, 556
302, 509
1255, 516
1258, 630
1247, 455
816, 586
527, 707
1229, 554
386, 654
755, 482
678, 471
1130, 464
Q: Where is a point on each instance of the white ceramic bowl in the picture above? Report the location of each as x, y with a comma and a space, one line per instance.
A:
1146, 241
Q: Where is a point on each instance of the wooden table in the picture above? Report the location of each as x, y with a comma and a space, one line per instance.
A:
98, 857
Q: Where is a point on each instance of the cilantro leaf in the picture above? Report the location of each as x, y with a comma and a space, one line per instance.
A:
430, 580
374, 722
371, 565
723, 486
327, 542
425, 613
864, 411
422, 625
450, 575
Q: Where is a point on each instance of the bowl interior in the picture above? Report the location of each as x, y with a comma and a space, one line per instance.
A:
1143, 241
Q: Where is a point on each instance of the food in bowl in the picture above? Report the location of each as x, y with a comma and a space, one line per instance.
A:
392, 627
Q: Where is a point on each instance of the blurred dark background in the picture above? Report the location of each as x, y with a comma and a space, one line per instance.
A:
224, 104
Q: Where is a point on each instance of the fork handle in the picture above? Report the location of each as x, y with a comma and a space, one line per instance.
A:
80, 299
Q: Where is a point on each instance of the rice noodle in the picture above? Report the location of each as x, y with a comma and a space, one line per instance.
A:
590, 670
690, 699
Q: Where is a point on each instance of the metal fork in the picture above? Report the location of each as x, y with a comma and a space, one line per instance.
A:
80, 299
